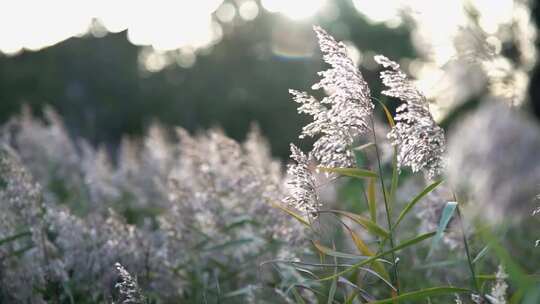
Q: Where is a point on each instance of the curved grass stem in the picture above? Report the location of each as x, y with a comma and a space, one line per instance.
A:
395, 280
474, 283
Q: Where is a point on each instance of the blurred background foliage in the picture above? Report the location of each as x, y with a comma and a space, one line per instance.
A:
105, 86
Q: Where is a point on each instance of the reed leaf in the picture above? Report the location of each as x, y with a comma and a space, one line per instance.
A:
403, 245
371, 200
422, 294
291, 213
331, 252
351, 172
15, 237
447, 214
415, 200
364, 222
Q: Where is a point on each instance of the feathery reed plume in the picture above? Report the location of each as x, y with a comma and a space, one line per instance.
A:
301, 184
344, 113
128, 288
349, 94
217, 181
45, 147
420, 141
152, 209
498, 291
20, 214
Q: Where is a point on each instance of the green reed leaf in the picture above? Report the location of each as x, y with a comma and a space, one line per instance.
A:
388, 115
291, 213
364, 146
331, 252
481, 254
446, 216
372, 205
15, 237
333, 287
403, 245
415, 200
364, 249
422, 294
395, 169
351, 172
19, 252
364, 222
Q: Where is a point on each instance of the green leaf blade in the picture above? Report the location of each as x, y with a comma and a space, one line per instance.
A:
331, 252
403, 245
15, 237
415, 200
422, 294
364, 222
372, 204
351, 172
290, 212
446, 216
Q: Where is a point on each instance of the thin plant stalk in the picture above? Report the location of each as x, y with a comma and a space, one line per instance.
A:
474, 283
387, 209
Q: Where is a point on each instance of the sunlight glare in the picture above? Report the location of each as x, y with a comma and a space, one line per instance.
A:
162, 24
296, 10
378, 11
249, 10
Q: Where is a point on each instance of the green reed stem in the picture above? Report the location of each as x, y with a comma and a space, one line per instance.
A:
474, 283
387, 209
